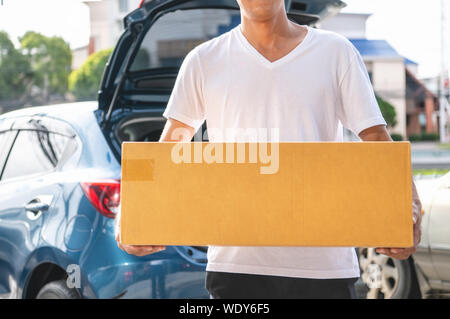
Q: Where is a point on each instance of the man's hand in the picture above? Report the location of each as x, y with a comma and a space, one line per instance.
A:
174, 131
404, 253
138, 250
379, 133
132, 249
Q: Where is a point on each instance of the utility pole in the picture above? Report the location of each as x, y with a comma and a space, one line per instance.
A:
443, 103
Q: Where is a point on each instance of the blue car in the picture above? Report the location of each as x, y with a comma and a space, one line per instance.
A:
60, 165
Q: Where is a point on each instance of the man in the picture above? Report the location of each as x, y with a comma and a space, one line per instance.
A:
271, 73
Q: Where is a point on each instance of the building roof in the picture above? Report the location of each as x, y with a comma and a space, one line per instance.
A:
376, 48
410, 62
416, 89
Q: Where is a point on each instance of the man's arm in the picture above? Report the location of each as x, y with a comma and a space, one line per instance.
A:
379, 133
174, 131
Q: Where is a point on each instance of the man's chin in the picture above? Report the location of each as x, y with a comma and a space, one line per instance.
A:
260, 17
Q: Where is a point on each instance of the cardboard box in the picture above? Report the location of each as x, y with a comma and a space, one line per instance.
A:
321, 194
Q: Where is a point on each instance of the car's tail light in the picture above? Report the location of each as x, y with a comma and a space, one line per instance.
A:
141, 3
104, 195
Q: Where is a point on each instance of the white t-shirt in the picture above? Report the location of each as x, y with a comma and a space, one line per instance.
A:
304, 96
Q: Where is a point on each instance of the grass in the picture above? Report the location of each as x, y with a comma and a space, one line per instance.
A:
430, 171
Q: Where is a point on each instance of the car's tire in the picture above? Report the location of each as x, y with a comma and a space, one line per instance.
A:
383, 277
57, 290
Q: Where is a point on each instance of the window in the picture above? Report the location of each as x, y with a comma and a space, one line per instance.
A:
422, 122
35, 152
6, 138
176, 33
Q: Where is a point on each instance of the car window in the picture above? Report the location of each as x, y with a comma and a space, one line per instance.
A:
176, 33
34, 152
51, 125
6, 139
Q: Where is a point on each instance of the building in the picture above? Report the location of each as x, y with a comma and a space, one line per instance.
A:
393, 76
106, 26
106, 20
79, 55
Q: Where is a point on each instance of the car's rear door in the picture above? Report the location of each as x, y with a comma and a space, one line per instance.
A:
439, 232
7, 137
28, 188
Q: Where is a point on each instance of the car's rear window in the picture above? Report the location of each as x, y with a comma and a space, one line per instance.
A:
176, 33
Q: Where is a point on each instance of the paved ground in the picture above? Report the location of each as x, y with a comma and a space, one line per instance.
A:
425, 155
429, 155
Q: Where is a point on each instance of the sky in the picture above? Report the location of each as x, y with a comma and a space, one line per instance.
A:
411, 26
66, 18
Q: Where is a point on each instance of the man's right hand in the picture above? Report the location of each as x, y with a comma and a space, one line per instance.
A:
139, 250
174, 131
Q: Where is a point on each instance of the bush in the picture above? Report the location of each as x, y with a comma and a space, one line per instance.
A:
430, 137
424, 137
396, 137
388, 111
85, 81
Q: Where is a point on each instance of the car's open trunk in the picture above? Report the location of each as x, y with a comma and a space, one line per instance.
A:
139, 128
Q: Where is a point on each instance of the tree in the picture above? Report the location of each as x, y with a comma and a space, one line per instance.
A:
15, 71
85, 81
51, 60
388, 111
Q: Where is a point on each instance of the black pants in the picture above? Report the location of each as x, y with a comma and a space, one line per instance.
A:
221, 285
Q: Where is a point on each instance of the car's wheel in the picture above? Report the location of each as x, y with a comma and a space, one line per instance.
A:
383, 277
57, 290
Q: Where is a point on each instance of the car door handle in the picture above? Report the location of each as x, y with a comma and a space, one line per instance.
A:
38, 205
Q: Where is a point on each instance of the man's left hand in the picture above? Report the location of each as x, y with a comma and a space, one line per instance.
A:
404, 253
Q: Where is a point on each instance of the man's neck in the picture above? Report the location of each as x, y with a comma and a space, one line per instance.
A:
270, 34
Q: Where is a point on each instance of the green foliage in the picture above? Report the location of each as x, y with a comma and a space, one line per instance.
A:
433, 171
84, 82
414, 138
396, 137
388, 112
424, 137
36, 71
5, 44
51, 60
15, 70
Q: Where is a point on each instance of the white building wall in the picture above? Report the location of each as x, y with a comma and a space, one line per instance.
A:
413, 68
350, 25
79, 55
389, 82
106, 19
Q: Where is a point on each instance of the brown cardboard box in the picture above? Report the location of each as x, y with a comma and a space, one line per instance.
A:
321, 194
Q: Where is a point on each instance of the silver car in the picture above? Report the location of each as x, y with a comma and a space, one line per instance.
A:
426, 273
